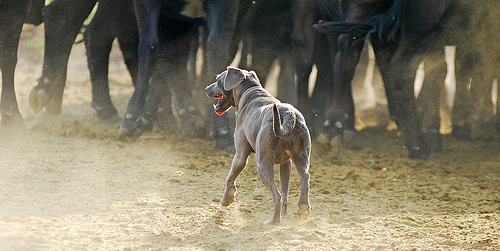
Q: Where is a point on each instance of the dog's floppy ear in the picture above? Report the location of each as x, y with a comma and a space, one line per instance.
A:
234, 77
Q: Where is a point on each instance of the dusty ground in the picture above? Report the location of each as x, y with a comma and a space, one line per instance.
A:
67, 183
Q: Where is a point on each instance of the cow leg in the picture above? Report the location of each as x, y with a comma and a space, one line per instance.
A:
287, 88
262, 56
148, 14
112, 19
340, 115
303, 40
128, 38
384, 52
428, 100
221, 22
482, 119
176, 56
322, 93
404, 94
63, 20
10, 29
464, 63
165, 119
98, 37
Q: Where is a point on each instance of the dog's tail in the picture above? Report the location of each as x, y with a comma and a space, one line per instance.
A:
289, 118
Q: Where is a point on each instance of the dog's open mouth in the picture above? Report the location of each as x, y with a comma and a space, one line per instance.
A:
217, 106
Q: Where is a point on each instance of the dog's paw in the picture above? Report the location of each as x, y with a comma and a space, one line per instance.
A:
304, 211
228, 196
226, 201
273, 221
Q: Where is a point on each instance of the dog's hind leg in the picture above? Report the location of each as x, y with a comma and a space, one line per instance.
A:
265, 169
285, 171
302, 166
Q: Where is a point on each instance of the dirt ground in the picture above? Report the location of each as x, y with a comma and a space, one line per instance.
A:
67, 183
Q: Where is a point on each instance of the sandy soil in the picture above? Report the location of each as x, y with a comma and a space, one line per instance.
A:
67, 183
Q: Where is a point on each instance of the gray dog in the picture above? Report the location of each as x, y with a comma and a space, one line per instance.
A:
276, 132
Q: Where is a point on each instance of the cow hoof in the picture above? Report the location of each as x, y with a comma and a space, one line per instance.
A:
15, 120
128, 128
37, 99
417, 150
192, 123
143, 125
333, 129
107, 113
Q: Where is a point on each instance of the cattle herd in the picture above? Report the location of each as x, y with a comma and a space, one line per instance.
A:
160, 39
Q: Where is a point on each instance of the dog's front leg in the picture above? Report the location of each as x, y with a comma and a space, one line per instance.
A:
237, 166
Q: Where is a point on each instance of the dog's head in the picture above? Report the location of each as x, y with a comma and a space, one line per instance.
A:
227, 88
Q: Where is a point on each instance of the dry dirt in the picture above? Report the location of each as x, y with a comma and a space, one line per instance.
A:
67, 183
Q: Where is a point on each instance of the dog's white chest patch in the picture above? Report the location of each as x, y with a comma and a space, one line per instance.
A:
194, 9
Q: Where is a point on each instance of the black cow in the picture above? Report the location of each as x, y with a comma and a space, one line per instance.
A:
401, 31
170, 17
63, 21
166, 29
14, 13
113, 19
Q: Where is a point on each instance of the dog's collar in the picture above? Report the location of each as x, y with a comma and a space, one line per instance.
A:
248, 91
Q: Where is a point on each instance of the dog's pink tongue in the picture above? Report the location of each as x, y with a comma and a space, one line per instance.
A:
220, 99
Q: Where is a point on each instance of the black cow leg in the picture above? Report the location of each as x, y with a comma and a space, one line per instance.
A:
222, 132
405, 99
340, 115
114, 18
190, 119
221, 22
428, 101
165, 120
62, 20
322, 94
9, 42
148, 48
98, 42
128, 39
157, 88
464, 63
